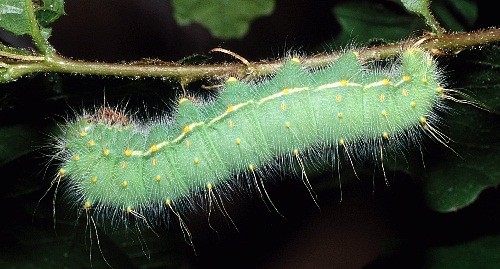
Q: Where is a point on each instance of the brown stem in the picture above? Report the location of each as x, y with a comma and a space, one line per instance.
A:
447, 43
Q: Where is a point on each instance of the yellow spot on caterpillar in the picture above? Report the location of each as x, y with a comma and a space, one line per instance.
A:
406, 78
124, 184
106, 152
124, 164
230, 109
423, 120
381, 97
386, 82
440, 89
385, 135
158, 177
86, 205
295, 60
251, 167
91, 143
196, 160
283, 106
154, 148
76, 157
338, 98
341, 142
94, 180
61, 172
344, 82
340, 115
209, 186
188, 143
238, 141
153, 161
295, 152
356, 54
413, 104
384, 113
182, 100
128, 152
129, 209
405, 92
186, 129
287, 124
286, 91
231, 79
424, 80
82, 134
168, 202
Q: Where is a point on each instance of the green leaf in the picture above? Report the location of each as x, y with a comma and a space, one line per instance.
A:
455, 15
49, 11
224, 19
421, 7
17, 140
456, 186
14, 17
455, 182
481, 78
418, 6
45, 32
481, 253
364, 20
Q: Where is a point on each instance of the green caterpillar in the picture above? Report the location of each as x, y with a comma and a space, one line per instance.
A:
113, 165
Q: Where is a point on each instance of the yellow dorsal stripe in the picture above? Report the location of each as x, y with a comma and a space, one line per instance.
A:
233, 108
337, 85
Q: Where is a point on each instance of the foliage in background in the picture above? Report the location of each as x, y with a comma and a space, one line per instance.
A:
449, 182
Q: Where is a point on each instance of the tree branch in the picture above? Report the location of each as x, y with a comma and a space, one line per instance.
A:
12, 68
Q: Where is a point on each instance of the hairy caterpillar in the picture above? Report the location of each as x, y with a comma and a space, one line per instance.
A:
113, 166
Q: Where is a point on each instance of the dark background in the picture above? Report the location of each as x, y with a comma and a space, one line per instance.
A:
373, 226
